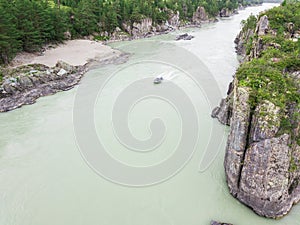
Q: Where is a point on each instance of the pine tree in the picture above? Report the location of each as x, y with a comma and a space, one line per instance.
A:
9, 43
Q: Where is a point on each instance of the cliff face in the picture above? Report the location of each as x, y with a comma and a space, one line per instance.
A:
260, 165
147, 28
262, 161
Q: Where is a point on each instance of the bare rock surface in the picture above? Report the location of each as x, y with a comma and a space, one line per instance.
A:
219, 223
200, 16
262, 162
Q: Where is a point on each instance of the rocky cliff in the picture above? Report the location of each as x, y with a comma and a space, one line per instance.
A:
262, 161
147, 28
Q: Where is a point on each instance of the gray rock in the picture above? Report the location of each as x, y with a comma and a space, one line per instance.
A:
25, 82
225, 12
27, 88
67, 67
241, 40
237, 139
185, 37
262, 167
223, 112
199, 16
174, 19
9, 88
62, 72
264, 181
139, 29
265, 122
219, 223
262, 26
67, 35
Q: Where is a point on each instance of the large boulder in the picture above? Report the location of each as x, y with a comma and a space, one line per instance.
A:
262, 26
185, 37
67, 67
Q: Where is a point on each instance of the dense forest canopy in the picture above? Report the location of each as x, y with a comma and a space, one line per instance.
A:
25, 25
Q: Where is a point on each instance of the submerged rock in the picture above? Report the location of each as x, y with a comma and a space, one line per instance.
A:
219, 223
185, 37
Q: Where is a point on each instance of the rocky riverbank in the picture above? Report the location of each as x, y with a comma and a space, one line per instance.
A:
23, 85
147, 28
262, 161
59, 68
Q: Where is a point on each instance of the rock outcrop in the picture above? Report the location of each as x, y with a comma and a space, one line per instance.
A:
34, 81
223, 112
262, 26
246, 37
219, 223
200, 16
262, 166
185, 37
174, 20
147, 28
225, 12
241, 41
262, 160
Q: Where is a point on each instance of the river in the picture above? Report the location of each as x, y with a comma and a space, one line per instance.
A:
168, 171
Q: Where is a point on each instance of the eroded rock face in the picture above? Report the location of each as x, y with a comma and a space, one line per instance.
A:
265, 122
174, 20
223, 112
264, 181
237, 139
241, 41
141, 28
146, 28
262, 27
37, 80
225, 13
200, 16
262, 166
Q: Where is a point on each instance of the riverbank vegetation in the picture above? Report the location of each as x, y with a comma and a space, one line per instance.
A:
274, 74
26, 25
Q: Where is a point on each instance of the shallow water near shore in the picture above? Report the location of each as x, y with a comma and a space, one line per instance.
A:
44, 178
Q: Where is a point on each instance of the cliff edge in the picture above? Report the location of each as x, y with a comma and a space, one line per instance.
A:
262, 107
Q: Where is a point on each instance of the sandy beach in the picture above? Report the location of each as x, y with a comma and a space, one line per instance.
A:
74, 52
